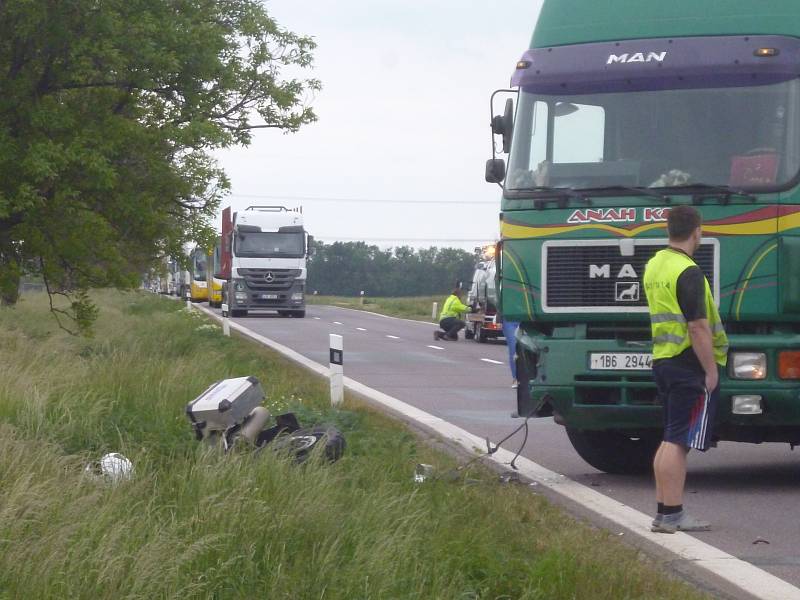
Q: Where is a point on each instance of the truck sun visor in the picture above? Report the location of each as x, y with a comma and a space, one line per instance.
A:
657, 64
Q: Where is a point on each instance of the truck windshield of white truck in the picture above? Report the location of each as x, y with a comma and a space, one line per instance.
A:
273, 244
746, 138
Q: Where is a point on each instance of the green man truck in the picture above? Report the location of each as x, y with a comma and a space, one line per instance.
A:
619, 111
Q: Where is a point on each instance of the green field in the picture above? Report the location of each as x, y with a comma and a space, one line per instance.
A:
416, 307
194, 523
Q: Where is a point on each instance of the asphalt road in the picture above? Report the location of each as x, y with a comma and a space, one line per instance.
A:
749, 492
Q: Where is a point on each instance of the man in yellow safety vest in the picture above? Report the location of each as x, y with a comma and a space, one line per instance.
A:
449, 318
689, 346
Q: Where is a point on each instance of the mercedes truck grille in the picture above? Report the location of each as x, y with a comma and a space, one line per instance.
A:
269, 279
605, 276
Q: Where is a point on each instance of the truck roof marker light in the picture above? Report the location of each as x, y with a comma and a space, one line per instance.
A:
789, 365
766, 52
523, 64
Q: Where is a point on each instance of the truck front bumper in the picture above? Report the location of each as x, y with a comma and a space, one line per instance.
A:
583, 398
292, 298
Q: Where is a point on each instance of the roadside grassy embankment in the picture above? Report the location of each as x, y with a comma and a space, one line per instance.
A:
194, 523
414, 307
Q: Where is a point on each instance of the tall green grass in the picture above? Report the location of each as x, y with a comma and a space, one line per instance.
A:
413, 307
195, 523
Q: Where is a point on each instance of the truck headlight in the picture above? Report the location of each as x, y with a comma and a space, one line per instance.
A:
240, 286
297, 296
747, 365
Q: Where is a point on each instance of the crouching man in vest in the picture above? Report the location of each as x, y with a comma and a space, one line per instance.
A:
689, 344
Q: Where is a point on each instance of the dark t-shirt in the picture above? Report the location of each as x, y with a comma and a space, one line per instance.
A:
691, 292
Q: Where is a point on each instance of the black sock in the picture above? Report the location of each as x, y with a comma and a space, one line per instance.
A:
672, 510
660, 509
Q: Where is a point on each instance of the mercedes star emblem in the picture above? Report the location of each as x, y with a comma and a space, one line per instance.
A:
269, 277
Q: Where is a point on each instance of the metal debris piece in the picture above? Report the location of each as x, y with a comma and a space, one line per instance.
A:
423, 472
760, 541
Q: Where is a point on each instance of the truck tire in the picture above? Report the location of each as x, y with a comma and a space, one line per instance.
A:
284, 313
238, 313
299, 314
615, 452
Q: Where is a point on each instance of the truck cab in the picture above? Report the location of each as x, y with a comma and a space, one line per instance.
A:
263, 260
198, 269
618, 112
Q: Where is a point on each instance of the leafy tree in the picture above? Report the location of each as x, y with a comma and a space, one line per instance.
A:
344, 269
109, 111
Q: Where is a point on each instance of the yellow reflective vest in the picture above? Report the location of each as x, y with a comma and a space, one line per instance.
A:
453, 307
667, 323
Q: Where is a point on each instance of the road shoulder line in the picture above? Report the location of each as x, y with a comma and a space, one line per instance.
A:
743, 575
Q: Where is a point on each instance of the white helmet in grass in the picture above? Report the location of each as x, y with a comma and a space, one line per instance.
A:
113, 467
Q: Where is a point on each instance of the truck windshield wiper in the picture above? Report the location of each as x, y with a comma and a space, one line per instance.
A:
640, 191
561, 194
706, 189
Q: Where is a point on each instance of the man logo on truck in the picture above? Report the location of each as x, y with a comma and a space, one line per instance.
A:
604, 272
637, 57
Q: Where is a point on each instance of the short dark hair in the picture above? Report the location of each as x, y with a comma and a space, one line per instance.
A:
682, 221
458, 291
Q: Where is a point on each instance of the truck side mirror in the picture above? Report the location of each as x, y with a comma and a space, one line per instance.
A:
504, 125
495, 170
310, 245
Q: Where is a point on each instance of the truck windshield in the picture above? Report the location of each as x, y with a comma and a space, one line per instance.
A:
263, 245
743, 137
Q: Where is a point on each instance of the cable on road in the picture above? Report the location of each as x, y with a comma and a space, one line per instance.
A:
491, 450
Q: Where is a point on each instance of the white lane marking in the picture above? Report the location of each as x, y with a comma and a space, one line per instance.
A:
436, 347
360, 328
393, 337
689, 550
374, 314
494, 362
317, 318
336, 323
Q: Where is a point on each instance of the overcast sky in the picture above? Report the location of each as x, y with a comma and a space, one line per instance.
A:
403, 121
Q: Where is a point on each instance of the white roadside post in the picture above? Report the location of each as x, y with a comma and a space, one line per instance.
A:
337, 369
435, 310
226, 324
188, 299
361, 299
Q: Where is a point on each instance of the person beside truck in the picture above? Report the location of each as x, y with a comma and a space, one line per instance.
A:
689, 346
450, 319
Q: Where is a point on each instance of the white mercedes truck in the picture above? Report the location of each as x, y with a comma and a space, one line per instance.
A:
264, 251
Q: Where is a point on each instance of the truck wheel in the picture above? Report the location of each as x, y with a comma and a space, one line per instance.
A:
238, 313
299, 314
615, 452
284, 313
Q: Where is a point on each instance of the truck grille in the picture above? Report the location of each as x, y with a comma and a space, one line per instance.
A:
594, 276
269, 280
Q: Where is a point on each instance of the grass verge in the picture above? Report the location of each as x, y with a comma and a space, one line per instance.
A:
193, 523
414, 307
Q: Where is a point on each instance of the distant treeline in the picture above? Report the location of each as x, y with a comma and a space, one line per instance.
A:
347, 268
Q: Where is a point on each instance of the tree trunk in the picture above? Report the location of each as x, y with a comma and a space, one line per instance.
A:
10, 274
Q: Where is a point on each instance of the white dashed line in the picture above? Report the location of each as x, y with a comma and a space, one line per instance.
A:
436, 347
393, 337
360, 328
336, 323
494, 362
317, 318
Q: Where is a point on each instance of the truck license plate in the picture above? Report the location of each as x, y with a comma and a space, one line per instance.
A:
620, 361
269, 296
